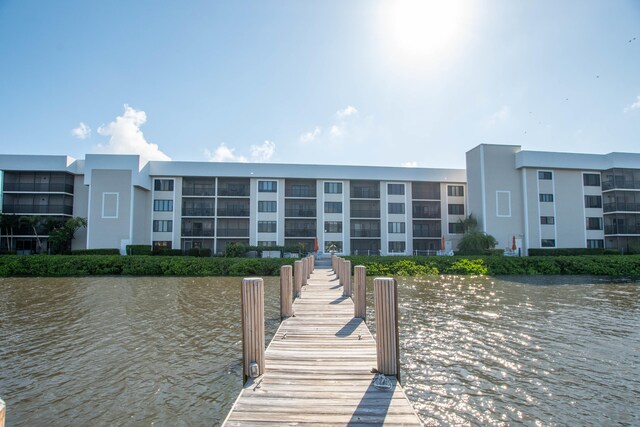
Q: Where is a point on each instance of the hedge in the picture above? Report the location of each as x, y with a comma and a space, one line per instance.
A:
572, 252
114, 265
603, 265
138, 249
96, 252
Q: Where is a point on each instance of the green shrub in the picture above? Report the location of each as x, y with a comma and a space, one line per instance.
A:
138, 249
96, 252
167, 252
236, 250
474, 267
572, 252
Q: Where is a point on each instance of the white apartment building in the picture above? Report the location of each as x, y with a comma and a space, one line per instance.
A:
537, 199
183, 205
555, 200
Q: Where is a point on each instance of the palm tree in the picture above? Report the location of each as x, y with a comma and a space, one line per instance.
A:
33, 221
8, 223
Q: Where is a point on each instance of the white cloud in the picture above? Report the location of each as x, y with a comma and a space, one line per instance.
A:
82, 131
310, 136
336, 131
125, 137
634, 106
409, 165
499, 116
258, 153
350, 110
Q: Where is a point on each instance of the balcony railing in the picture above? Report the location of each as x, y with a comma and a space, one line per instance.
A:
302, 213
427, 233
426, 214
365, 193
242, 191
365, 233
300, 192
197, 233
233, 232
365, 213
299, 233
233, 211
621, 229
197, 211
40, 188
199, 191
38, 209
621, 206
609, 185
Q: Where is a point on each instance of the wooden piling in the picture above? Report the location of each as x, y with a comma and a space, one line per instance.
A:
3, 408
286, 291
252, 327
305, 271
360, 292
386, 309
348, 291
297, 280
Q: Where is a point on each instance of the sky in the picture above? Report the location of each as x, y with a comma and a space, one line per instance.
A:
389, 83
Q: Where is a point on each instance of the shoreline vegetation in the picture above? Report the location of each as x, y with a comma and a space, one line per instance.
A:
146, 265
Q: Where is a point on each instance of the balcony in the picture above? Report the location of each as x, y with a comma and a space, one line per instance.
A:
365, 233
365, 213
197, 211
230, 211
38, 209
207, 191
299, 213
234, 191
197, 233
233, 232
621, 229
296, 232
621, 207
39, 188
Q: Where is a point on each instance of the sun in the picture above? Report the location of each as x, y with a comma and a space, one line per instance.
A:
422, 32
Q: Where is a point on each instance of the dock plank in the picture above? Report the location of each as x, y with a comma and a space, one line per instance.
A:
319, 369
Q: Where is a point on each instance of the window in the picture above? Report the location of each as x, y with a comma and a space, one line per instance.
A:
548, 243
397, 227
265, 206
549, 220
163, 185
397, 246
161, 226
163, 205
267, 226
333, 207
267, 243
594, 223
455, 209
333, 188
267, 186
456, 228
455, 190
333, 246
592, 201
545, 175
396, 208
595, 243
591, 179
395, 189
333, 226
546, 197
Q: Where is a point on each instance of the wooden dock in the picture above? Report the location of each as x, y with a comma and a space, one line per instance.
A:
318, 369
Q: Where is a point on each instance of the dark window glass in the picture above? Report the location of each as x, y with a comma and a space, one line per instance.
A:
267, 226
547, 220
397, 227
548, 243
595, 243
546, 197
162, 226
333, 207
455, 190
333, 226
545, 175
163, 185
592, 201
456, 228
397, 246
396, 208
456, 209
594, 223
333, 187
395, 189
591, 179
267, 186
163, 205
267, 206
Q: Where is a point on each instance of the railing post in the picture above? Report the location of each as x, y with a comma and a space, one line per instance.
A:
347, 278
386, 309
297, 282
360, 292
286, 291
252, 328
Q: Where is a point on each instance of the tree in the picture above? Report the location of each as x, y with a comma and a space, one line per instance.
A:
61, 236
469, 224
475, 242
8, 223
34, 223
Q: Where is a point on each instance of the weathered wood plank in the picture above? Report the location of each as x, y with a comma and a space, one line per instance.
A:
318, 368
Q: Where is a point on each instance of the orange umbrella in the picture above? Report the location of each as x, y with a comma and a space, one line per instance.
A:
513, 245
442, 243
315, 244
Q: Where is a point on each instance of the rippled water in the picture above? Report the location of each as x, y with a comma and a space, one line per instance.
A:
166, 351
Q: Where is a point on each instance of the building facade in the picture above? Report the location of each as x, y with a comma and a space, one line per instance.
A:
555, 200
184, 205
528, 199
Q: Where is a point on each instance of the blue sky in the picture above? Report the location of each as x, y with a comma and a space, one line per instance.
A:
330, 82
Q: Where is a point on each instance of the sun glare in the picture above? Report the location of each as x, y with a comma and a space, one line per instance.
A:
423, 32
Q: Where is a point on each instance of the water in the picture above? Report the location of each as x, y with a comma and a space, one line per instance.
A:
166, 351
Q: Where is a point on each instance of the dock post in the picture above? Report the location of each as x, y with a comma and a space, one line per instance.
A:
3, 408
297, 283
286, 291
252, 328
305, 271
333, 262
348, 291
360, 292
387, 342
309, 266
